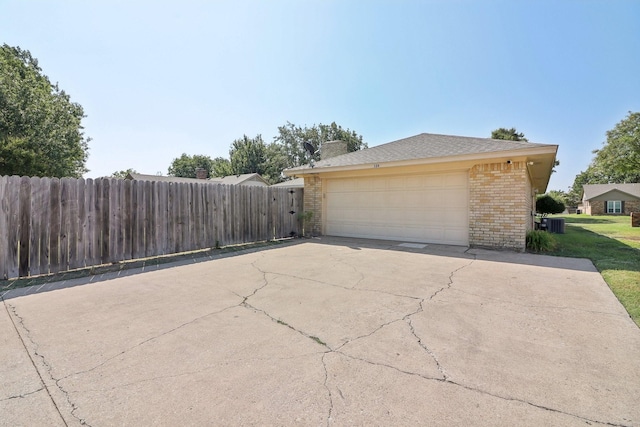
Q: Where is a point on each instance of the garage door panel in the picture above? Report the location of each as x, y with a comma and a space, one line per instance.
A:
417, 208
455, 180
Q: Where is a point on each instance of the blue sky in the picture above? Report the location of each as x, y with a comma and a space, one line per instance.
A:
161, 78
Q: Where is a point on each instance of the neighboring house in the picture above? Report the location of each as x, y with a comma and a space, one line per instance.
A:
611, 199
244, 179
292, 183
430, 189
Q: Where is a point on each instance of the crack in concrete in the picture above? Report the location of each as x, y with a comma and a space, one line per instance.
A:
192, 372
33, 363
421, 343
384, 325
141, 343
23, 395
320, 282
326, 385
355, 270
480, 391
550, 307
420, 309
155, 337
445, 379
535, 405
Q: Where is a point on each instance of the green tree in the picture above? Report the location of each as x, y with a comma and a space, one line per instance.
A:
277, 161
618, 161
123, 174
40, 128
508, 134
545, 204
558, 195
185, 166
292, 138
221, 167
248, 155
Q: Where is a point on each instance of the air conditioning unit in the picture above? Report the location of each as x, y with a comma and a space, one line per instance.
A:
555, 225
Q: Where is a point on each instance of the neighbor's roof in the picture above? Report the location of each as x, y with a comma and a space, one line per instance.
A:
292, 183
594, 190
423, 146
229, 180
143, 177
238, 179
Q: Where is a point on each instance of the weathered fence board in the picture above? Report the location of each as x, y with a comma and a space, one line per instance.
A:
48, 225
4, 241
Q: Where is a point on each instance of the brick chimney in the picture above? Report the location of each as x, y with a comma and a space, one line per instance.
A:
201, 173
333, 149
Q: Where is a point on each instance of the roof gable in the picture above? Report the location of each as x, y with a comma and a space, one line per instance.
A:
594, 191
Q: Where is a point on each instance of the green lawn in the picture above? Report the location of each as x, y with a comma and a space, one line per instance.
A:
613, 246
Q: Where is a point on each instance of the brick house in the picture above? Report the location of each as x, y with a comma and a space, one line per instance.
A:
611, 199
429, 189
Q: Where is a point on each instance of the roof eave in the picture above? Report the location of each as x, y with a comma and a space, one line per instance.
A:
541, 150
609, 191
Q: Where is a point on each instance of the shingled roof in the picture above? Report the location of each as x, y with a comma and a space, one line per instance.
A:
422, 146
594, 190
229, 180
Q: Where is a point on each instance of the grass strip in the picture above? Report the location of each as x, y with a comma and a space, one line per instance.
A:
614, 248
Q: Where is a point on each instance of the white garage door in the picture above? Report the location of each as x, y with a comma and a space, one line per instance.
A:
415, 208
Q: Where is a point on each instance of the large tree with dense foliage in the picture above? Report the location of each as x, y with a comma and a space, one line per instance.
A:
248, 155
40, 128
185, 166
292, 138
618, 161
253, 155
221, 167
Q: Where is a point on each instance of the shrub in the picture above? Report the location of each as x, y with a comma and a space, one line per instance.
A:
540, 241
545, 204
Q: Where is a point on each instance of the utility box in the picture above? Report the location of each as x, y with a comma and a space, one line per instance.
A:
555, 225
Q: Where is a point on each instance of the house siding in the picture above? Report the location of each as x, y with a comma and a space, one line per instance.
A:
597, 207
500, 205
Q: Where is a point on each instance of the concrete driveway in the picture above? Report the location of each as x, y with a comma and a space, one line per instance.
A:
326, 332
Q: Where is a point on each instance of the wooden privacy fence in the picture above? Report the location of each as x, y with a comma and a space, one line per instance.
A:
48, 225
